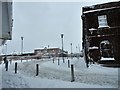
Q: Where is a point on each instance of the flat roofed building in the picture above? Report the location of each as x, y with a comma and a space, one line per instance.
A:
49, 51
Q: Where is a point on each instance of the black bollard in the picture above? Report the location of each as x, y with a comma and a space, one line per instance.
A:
68, 63
58, 61
15, 67
6, 65
72, 73
53, 60
37, 69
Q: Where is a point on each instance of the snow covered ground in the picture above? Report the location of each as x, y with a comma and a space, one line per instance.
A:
52, 75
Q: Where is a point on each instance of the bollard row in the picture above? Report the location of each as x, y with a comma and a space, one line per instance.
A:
37, 68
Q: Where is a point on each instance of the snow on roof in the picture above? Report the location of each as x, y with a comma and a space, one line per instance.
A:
98, 10
46, 47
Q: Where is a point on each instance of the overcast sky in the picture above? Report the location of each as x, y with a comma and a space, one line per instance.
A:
41, 24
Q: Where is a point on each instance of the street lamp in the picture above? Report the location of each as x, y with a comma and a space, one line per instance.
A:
76, 49
79, 50
62, 47
48, 51
6, 49
79, 47
21, 47
71, 50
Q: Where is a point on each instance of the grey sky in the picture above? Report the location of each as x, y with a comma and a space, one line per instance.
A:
41, 24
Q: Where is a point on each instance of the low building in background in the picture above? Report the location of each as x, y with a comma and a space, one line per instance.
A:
37, 54
49, 52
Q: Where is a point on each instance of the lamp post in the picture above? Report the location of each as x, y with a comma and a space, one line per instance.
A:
79, 50
79, 47
76, 49
71, 50
6, 49
62, 46
48, 51
21, 47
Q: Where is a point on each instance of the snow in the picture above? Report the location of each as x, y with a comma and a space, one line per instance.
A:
52, 75
98, 10
94, 47
0, 77
92, 29
107, 58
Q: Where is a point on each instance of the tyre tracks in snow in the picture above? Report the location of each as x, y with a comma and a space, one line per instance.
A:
81, 76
